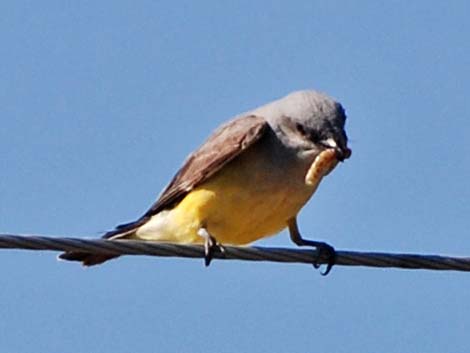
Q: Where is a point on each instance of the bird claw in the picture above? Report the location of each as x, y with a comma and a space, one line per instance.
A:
211, 246
325, 251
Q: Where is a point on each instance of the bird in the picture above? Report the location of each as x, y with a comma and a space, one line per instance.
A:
247, 181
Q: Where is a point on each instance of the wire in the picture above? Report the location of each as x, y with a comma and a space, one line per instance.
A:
255, 253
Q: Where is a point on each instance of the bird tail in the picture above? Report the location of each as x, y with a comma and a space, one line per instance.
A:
86, 258
90, 259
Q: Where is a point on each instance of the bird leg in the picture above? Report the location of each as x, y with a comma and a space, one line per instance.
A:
211, 246
324, 250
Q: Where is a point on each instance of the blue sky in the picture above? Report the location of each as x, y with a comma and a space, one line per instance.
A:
100, 103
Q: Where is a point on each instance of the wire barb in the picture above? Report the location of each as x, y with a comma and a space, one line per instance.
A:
255, 253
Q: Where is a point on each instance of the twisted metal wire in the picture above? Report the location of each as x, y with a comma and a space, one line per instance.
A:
255, 253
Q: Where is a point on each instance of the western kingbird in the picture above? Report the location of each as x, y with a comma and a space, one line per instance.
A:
248, 181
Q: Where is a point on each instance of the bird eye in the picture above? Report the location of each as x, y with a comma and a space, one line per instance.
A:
300, 128
311, 135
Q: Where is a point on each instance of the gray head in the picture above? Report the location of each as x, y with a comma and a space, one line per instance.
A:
308, 120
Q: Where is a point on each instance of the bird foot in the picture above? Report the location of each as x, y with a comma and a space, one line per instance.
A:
325, 251
211, 246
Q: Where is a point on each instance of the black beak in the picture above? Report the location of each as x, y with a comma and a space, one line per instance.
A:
342, 153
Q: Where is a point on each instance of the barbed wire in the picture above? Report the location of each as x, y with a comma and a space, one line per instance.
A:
254, 253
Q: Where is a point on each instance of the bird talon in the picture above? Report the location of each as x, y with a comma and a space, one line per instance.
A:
211, 246
325, 251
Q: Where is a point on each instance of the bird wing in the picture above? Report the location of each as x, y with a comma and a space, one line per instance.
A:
225, 144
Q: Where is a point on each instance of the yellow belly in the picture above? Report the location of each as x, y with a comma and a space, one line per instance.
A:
237, 207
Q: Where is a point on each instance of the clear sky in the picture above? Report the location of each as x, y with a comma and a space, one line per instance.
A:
100, 102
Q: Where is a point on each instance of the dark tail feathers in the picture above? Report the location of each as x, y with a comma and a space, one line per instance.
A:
86, 258
89, 259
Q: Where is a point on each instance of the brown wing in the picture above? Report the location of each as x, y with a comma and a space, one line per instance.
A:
221, 147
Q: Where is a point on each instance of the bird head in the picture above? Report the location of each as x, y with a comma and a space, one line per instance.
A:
310, 122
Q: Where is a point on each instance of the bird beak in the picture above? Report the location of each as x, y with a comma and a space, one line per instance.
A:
342, 153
